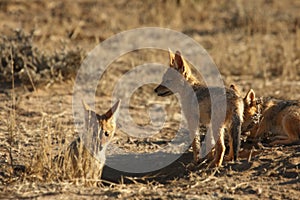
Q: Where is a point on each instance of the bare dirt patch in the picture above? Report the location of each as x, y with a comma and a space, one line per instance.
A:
255, 44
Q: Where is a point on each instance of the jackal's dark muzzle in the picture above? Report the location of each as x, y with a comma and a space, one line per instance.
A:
162, 91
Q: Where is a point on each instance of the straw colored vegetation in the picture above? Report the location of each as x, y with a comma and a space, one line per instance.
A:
255, 44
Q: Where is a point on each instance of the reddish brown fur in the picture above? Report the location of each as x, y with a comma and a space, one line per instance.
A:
280, 117
86, 159
234, 109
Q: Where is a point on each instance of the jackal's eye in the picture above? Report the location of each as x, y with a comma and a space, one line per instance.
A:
106, 133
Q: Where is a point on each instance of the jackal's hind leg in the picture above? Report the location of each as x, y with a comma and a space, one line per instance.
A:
230, 155
284, 140
291, 131
220, 151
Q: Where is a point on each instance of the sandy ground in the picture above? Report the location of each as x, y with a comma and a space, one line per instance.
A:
255, 45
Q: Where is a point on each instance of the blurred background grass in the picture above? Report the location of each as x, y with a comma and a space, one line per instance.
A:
258, 38
254, 44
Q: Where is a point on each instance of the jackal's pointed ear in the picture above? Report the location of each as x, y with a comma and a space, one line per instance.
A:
236, 89
250, 98
233, 87
113, 112
179, 62
172, 57
90, 116
87, 111
85, 106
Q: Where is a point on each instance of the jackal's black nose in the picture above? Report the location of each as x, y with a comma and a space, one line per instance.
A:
155, 90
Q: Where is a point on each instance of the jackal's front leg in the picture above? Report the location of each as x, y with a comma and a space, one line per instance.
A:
262, 128
196, 147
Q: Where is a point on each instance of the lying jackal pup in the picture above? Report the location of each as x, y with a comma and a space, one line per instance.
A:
86, 159
280, 117
234, 109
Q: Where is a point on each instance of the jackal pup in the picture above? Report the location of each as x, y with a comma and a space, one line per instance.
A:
85, 156
172, 83
269, 115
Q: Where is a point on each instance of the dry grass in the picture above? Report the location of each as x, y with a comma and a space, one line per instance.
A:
31, 66
255, 44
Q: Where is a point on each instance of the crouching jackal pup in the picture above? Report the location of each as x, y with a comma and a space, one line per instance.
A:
268, 115
86, 159
234, 109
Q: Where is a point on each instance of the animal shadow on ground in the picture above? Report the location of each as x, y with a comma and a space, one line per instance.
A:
132, 162
252, 160
180, 167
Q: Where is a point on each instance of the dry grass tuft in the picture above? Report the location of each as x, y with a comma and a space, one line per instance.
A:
33, 67
255, 44
52, 161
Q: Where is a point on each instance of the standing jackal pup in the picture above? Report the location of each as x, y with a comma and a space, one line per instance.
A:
280, 117
233, 109
86, 159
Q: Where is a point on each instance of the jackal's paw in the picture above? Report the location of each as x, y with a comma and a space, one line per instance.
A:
228, 158
196, 159
191, 166
214, 164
